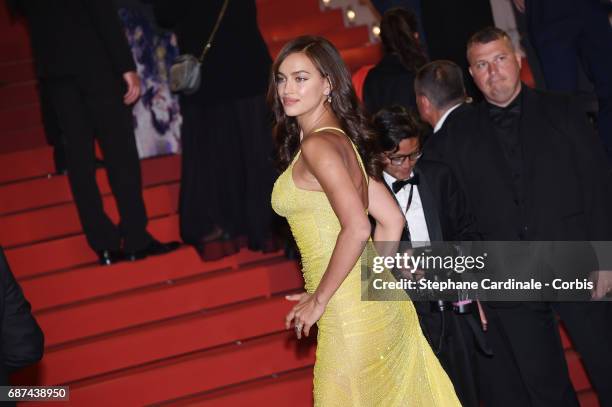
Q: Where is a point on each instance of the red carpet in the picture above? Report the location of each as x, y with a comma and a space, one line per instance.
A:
169, 329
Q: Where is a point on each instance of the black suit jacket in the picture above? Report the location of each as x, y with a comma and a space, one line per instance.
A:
565, 176
444, 204
21, 339
76, 37
388, 83
457, 115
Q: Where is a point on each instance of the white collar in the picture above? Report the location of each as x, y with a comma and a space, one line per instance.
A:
440, 122
390, 179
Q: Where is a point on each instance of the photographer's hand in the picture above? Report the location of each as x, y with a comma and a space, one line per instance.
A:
602, 280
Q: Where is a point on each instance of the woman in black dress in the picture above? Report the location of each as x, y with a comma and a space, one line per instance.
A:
227, 170
391, 81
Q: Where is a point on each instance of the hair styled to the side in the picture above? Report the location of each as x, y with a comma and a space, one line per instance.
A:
442, 83
396, 123
344, 104
487, 35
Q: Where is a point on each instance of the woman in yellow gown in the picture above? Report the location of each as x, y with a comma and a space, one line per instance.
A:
368, 353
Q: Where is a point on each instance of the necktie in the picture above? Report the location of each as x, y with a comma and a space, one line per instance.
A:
398, 185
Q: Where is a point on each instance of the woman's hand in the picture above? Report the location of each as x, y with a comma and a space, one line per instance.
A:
305, 314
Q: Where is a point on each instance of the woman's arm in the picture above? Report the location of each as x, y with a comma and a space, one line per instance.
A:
323, 157
389, 218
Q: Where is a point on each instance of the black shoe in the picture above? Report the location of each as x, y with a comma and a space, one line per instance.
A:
108, 257
153, 249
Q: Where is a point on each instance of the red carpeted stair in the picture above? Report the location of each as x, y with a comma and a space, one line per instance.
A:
169, 329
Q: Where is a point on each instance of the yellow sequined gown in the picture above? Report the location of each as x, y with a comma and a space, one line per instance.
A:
368, 353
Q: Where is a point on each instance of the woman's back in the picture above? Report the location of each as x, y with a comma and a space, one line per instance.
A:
311, 217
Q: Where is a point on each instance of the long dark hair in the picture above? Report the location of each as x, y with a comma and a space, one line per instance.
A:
344, 104
397, 33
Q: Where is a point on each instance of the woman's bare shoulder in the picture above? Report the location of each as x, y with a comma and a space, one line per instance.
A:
325, 143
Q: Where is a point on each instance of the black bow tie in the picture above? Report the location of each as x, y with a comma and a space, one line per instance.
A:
504, 116
398, 185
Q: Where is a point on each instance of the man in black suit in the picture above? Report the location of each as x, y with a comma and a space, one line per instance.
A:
440, 94
532, 169
85, 66
436, 211
21, 339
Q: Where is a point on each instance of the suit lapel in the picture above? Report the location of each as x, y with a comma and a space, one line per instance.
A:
430, 211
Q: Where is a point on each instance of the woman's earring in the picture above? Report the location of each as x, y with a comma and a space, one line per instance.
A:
328, 98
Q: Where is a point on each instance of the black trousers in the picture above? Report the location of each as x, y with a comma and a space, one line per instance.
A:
88, 107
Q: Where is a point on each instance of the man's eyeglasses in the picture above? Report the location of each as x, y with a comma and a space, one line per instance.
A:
399, 159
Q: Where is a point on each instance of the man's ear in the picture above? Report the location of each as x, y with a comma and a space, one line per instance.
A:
519, 59
470, 70
424, 102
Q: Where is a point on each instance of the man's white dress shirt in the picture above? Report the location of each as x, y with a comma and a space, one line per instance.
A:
415, 217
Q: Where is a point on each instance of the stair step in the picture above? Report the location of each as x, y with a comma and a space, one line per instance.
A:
349, 37
14, 42
200, 372
271, 12
34, 260
94, 281
288, 389
355, 58
16, 94
565, 340
17, 118
62, 220
16, 71
182, 335
577, 372
19, 165
170, 300
23, 139
44, 191
284, 30
341, 37
588, 398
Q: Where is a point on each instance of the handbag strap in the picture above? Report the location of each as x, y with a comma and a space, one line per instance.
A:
214, 31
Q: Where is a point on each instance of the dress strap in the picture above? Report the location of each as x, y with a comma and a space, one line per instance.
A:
329, 128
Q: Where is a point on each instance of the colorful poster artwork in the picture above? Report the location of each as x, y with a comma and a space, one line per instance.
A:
157, 117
